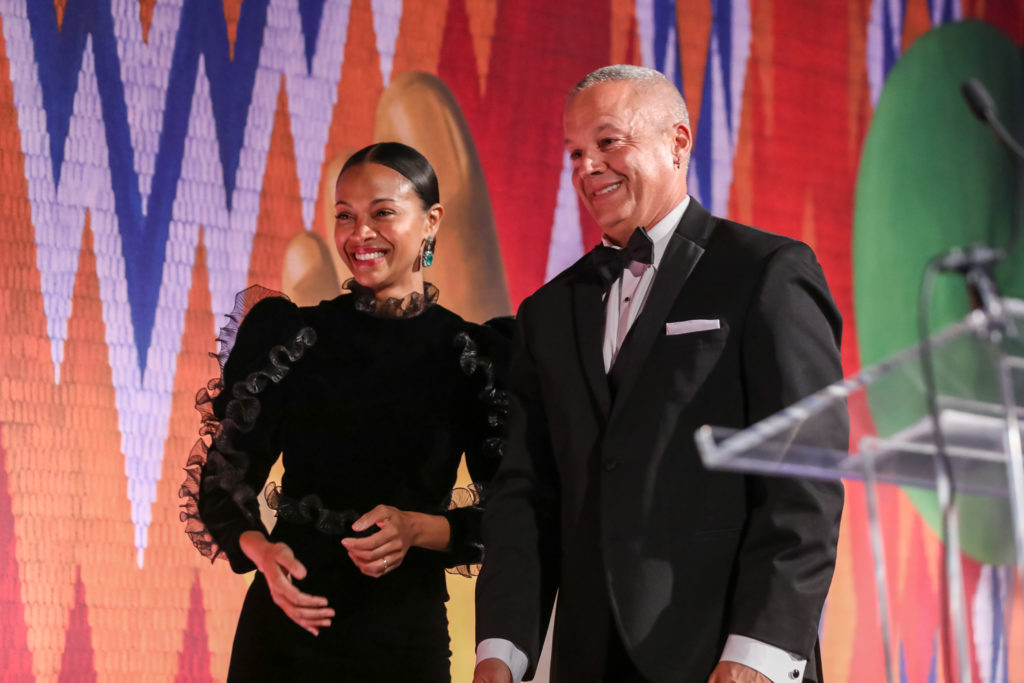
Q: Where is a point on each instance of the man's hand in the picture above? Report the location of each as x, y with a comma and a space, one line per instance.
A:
734, 672
492, 671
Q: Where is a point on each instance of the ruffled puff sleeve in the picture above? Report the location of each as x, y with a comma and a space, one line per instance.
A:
483, 360
237, 446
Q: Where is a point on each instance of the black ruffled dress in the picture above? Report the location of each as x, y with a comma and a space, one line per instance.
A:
367, 407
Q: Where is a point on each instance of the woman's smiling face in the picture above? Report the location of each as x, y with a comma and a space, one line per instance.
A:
380, 227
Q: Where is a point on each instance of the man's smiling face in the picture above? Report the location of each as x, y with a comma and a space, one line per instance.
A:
624, 149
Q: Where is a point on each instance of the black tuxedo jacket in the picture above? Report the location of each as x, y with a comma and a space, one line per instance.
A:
602, 495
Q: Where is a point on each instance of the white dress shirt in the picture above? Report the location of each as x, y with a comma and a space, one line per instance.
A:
627, 295
623, 304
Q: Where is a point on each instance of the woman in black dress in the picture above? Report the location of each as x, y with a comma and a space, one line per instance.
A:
372, 398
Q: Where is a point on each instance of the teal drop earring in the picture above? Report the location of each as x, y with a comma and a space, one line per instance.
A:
428, 252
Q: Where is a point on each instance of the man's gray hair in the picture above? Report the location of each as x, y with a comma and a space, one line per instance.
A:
644, 80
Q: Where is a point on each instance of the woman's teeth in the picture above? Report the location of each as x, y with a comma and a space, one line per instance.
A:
368, 256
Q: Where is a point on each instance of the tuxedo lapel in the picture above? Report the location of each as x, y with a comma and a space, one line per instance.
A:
588, 313
680, 257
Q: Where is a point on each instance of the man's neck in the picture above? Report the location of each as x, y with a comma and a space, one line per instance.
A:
620, 236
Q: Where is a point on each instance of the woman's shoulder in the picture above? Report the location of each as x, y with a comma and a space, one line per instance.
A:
268, 321
327, 309
485, 345
271, 310
501, 328
262, 322
495, 332
501, 325
261, 319
259, 306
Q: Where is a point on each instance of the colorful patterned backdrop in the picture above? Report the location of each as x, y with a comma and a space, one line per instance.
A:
156, 156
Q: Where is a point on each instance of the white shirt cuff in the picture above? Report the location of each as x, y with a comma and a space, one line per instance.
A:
775, 663
506, 651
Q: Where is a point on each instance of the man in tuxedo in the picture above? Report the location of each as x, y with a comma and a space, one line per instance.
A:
665, 571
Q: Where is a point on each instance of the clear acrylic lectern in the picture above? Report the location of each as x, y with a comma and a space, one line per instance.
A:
979, 380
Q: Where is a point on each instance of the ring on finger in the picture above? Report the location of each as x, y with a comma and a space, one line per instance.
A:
385, 564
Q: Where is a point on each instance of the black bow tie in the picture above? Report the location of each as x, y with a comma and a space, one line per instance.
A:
610, 262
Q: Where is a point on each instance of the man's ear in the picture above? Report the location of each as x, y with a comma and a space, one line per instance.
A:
683, 140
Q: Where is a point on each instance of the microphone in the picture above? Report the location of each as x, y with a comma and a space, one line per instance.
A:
963, 259
984, 107
976, 262
980, 102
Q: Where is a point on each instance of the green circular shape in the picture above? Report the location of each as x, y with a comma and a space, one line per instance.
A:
933, 177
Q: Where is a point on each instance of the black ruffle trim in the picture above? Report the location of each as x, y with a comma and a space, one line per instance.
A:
494, 399
495, 402
470, 496
310, 510
244, 302
408, 306
214, 463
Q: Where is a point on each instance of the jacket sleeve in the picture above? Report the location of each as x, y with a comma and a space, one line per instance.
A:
245, 442
790, 348
521, 527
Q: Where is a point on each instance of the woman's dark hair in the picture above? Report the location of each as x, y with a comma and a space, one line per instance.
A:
402, 159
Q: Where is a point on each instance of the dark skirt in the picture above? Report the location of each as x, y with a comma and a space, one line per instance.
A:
401, 639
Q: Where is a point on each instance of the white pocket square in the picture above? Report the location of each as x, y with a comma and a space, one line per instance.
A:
688, 326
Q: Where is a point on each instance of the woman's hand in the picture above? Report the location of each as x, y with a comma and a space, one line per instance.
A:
278, 565
400, 530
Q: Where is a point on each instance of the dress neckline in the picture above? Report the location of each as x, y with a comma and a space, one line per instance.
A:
409, 306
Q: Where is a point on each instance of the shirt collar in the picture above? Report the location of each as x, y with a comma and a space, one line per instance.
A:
661, 232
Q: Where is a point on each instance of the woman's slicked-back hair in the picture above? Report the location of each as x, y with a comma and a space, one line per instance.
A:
401, 159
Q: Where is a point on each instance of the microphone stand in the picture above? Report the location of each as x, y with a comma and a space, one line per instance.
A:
984, 296
975, 264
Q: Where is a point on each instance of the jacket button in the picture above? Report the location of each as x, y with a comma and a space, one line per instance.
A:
610, 465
